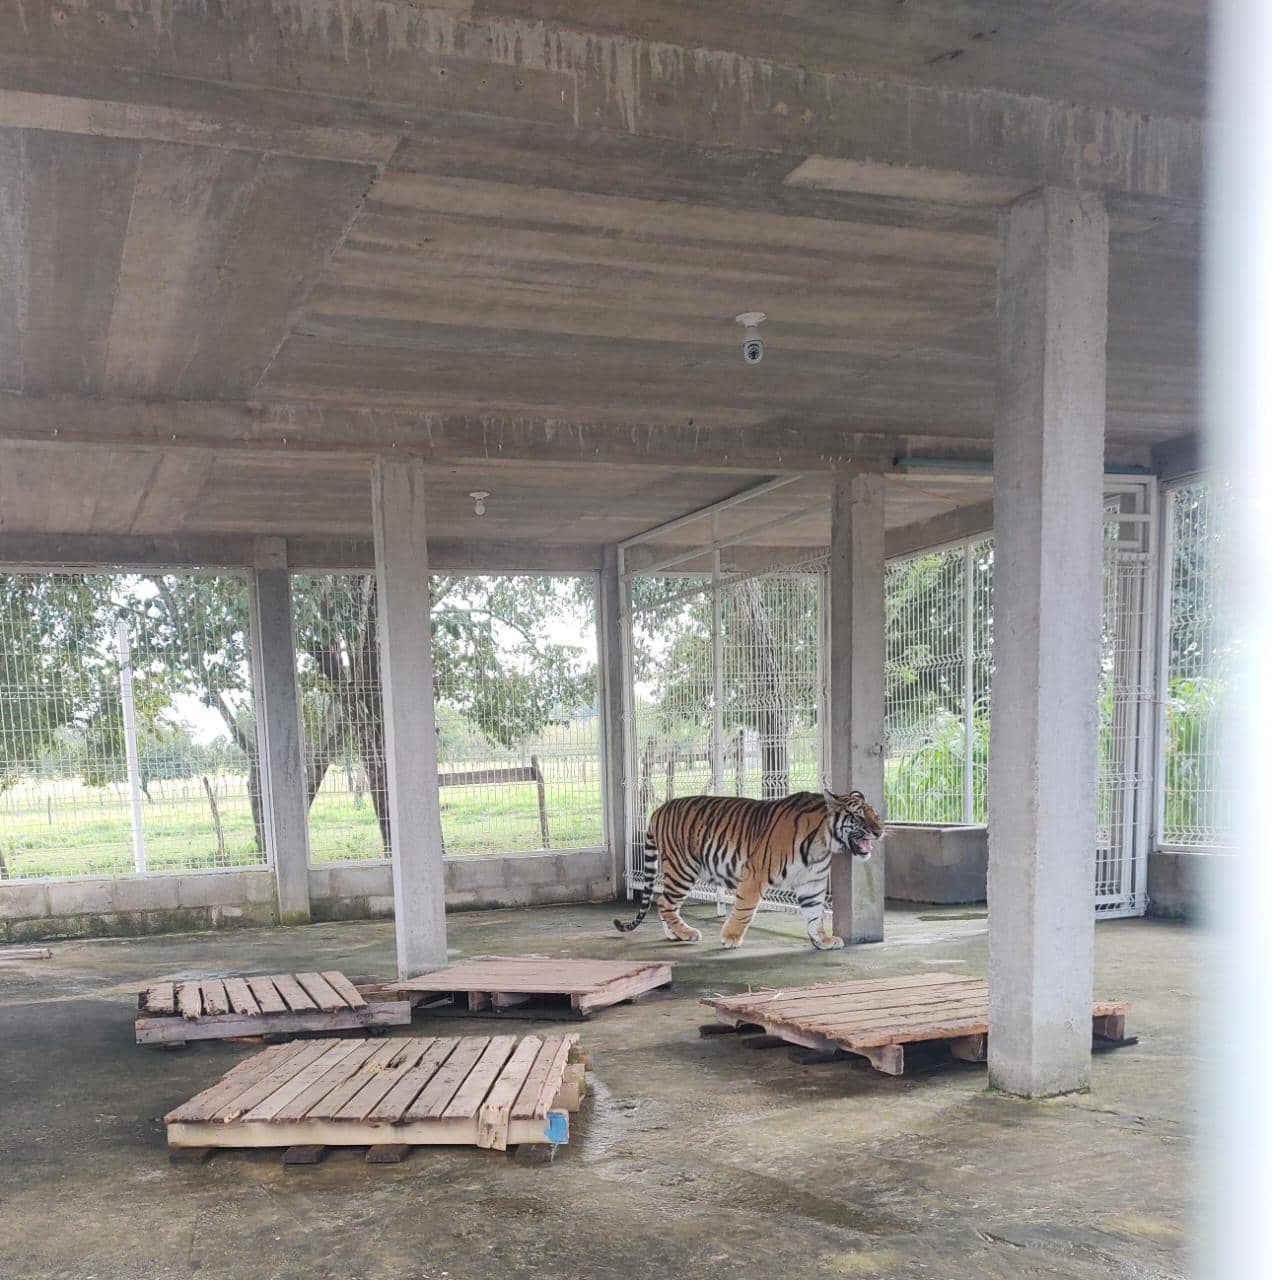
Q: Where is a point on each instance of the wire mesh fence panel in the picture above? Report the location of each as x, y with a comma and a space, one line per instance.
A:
1196, 806
725, 694
1123, 783
515, 701
925, 673
127, 734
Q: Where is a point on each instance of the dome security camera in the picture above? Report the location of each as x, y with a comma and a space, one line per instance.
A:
752, 343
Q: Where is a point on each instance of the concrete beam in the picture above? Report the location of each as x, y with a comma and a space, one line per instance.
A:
278, 729
549, 72
1048, 490
410, 736
854, 663
938, 531
488, 438
51, 550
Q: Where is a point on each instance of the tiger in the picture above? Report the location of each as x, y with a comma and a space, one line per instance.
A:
749, 846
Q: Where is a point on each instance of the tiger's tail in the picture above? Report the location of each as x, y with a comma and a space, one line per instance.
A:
645, 894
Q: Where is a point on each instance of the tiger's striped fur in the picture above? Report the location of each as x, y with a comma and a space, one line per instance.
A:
750, 846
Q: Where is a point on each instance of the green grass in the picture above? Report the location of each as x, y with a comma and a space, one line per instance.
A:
64, 829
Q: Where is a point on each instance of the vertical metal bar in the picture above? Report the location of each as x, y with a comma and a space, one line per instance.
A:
130, 741
628, 728
1164, 607
1145, 736
717, 665
969, 675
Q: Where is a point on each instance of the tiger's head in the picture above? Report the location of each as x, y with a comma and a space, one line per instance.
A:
851, 824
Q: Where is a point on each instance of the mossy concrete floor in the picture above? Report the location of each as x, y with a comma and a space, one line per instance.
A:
693, 1156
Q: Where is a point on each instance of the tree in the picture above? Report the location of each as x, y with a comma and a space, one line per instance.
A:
61, 670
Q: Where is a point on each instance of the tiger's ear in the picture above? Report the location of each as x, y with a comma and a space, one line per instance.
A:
856, 799
832, 800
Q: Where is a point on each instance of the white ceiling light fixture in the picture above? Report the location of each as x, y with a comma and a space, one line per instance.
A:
479, 497
752, 343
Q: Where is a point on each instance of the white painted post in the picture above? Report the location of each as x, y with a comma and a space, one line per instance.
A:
278, 730
410, 738
609, 645
130, 741
969, 677
1048, 523
854, 663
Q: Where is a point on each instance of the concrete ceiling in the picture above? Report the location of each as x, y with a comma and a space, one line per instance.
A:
245, 245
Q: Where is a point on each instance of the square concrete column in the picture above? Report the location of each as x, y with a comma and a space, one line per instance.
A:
1048, 530
854, 696
410, 740
278, 729
609, 637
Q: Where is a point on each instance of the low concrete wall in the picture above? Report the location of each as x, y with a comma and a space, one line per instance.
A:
936, 863
126, 906
360, 890
1179, 884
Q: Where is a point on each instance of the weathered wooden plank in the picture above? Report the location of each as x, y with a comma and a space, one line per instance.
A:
305, 1052
321, 992
349, 1133
214, 996
340, 984
381, 1082
340, 1071
496, 1112
392, 1106
297, 997
189, 1000
434, 1098
619, 989
388, 1013
472, 1093
268, 1107
203, 1106
240, 996
160, 999
331, 1103
544, 1080
266, 995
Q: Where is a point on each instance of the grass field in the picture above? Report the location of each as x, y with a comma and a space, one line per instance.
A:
65, 829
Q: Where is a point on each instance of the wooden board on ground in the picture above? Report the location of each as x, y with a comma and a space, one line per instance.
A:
878, 1017
494, 1092
528, 986
283, 1004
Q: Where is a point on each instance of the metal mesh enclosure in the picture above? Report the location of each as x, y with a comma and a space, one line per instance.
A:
516, 706
127, 736
1195, 805
938, 686
725, 691
938, 629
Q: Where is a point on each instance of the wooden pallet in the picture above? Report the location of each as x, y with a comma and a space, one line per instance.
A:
495, 1092
878, 1018
220, 1008
524, 985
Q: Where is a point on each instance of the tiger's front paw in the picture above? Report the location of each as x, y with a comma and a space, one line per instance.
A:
828, 942
730, 941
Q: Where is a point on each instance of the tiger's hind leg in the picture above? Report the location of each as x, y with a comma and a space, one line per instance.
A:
676, 888
812, 906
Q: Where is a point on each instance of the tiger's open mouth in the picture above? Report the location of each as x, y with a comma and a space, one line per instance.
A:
861, 845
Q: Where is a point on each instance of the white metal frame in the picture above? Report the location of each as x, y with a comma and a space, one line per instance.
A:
1165, 525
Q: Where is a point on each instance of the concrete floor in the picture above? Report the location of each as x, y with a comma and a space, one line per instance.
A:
692, 1156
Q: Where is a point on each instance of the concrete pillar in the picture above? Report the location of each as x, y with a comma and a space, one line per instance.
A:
278, 730
410, 740
609, 648
854, 671
1048, 530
